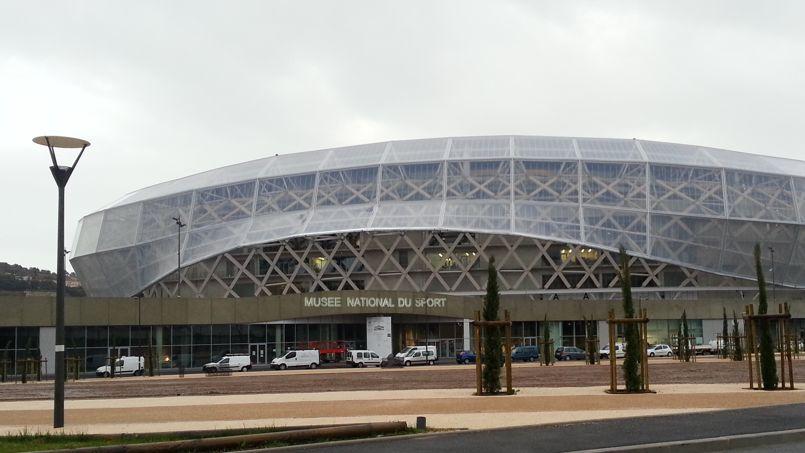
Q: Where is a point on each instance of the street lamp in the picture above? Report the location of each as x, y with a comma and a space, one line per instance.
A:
773, 282
61, 174
179, 225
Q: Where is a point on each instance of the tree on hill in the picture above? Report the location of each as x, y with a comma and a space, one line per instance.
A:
492, 353
768, 367
631, 362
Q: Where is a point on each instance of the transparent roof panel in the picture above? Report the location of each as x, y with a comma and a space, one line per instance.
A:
289, 164
417, 150
744, 161
672, 153
609, 149
355, 156
479, 147
544, 148
88, 238
216, 177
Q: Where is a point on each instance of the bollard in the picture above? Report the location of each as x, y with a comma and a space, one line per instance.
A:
421, 423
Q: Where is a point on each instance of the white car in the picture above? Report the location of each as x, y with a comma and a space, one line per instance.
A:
362, 358
620, 351
124, 365
660, 350
302, 358
229, 362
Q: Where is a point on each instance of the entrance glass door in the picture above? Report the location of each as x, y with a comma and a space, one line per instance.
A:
257, 353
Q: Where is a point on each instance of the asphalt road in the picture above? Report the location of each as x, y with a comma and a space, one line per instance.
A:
597, 434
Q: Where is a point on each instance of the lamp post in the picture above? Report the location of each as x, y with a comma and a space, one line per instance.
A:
179, 225
773, 282
61, 174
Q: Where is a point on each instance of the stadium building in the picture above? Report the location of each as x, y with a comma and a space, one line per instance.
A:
386, 245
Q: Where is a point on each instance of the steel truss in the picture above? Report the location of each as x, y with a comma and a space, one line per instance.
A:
430, 261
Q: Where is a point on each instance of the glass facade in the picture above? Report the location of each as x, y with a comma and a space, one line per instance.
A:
193, 346
685, 205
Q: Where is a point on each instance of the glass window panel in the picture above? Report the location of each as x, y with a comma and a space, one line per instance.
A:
140, 335
181, 335
544, 147
98, 336
760, 196
547, 220
417, 150
201, 334
257, 333
119, 336
8, 338
674, 153
609, 149
546, 181
413, 182
355, 156
156, 220
347, 187
89, 231
220, 334
119, 227
478, 180
687, 190
240, 333
690, 240
615, 184
202, 354
223, 204
612, 228
285, 194
479, 147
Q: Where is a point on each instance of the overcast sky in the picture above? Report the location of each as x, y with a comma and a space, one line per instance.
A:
167, 89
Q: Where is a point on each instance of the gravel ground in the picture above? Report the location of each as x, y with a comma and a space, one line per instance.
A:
324, 380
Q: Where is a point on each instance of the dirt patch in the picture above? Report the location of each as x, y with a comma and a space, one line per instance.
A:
670, 372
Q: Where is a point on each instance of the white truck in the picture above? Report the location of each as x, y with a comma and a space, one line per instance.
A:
302, 358
124, 365
229, 362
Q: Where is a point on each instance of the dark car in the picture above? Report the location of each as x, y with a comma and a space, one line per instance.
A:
465, 357
525, 353
570, 353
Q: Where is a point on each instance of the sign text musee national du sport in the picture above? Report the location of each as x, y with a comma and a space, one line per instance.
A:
375, 302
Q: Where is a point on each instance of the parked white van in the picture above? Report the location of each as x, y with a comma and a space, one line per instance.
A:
362, 358
229, 362
305, 357
420, 355
406, 351
124, 365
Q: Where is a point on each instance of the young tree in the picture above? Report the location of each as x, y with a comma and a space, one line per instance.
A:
546, 353
685, 351
768, 367
680, 343
492, 354
737, 350
724, 333
631, 362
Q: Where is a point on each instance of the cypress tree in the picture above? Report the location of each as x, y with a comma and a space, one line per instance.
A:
737, 350
547, 357
686, 335
724, 333
768, 367
631, 362
680, 343
492, 337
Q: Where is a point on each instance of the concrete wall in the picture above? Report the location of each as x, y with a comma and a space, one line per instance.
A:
40, 311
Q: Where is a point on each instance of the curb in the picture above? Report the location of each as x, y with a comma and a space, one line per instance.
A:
764, 439
337, 443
